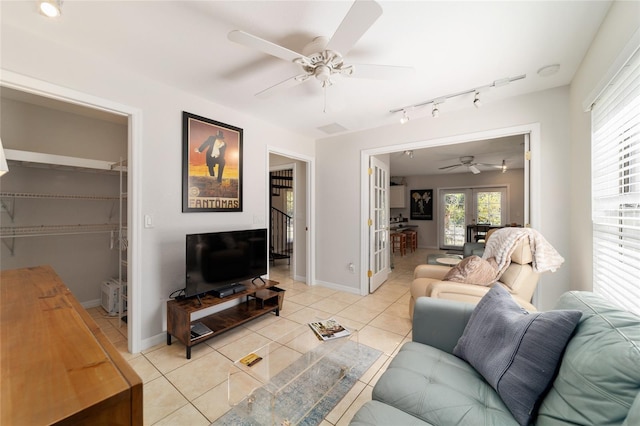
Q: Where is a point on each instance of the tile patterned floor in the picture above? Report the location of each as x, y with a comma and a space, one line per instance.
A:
178, 391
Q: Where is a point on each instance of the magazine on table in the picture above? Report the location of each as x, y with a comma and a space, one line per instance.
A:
329, 329
198, 330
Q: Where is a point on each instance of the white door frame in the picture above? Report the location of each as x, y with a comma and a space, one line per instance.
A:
134, 216
532, 179
310, 217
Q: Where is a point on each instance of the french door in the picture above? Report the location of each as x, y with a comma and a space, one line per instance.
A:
378, 223
462, 207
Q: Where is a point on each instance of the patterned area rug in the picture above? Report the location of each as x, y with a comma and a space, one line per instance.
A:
294, 401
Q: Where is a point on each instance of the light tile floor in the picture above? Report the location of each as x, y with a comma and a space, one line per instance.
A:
185, 392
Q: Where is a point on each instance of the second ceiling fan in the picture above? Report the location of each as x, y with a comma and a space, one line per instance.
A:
467, 161
322, 58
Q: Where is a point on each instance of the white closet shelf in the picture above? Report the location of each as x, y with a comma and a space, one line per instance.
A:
57, 196
46, 230
62, 162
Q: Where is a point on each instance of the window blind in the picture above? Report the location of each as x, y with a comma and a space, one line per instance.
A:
615, 184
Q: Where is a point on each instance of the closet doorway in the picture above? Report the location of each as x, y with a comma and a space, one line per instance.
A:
71, 180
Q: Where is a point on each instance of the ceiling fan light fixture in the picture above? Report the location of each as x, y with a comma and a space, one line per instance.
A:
50, 8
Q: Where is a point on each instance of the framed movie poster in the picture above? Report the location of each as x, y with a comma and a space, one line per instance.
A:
211, 165
421, 204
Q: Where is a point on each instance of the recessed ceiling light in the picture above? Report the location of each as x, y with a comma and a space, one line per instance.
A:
548, 70
51, 8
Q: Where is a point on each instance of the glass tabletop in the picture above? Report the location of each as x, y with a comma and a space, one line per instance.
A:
282, 381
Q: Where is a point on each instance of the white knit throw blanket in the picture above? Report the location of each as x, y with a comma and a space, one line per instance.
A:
504, 240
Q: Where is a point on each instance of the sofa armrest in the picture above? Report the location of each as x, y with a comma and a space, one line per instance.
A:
431, 271
469, 293
440, 323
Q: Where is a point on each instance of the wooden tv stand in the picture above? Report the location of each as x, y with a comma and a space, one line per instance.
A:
257, 303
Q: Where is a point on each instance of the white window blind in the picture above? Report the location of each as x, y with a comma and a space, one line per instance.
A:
616, 188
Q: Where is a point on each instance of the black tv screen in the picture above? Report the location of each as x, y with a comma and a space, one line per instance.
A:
216, 260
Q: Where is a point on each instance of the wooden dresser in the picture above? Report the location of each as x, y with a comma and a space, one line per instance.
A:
57, 366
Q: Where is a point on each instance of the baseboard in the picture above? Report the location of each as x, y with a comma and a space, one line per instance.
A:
91, 303
340, 287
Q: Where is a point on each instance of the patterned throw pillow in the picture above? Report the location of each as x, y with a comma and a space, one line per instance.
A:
473, 270
517, 352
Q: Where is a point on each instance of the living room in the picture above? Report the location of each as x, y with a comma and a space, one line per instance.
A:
555, 118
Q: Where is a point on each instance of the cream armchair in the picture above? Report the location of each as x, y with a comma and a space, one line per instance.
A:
519, 279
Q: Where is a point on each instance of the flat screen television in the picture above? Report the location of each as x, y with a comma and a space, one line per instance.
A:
218, 260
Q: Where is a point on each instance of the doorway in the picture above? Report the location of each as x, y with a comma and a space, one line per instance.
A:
464, 212
133, 119
289, 193
532, 169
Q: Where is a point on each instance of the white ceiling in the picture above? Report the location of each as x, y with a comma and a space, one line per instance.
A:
428, 161
453, 46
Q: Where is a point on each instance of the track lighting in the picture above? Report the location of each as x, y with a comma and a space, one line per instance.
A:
50, 8
476, 100
404, 118
504, 167
409, 153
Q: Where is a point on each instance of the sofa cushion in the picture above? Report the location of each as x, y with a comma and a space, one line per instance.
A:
473, 270
377, 413
439, 388
599, 377
517, 352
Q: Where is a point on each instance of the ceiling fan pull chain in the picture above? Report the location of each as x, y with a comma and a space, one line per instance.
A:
324, 108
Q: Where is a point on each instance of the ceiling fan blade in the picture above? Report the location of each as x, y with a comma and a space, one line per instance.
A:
265, 46
381, 72
290, 82
453, 166
473, 169
361, 16
495, 166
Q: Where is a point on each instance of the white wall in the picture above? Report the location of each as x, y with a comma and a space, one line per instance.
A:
159, 168
622, 21
338, 178
428, 229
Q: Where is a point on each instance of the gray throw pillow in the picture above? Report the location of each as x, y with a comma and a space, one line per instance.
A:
517, 352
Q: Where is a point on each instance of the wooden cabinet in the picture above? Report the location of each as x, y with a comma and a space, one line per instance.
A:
259, 300
57, 365
397, 196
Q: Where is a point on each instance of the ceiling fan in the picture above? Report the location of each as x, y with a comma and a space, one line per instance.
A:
468, 162
322, 58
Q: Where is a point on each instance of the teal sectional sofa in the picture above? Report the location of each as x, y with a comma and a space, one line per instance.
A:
597, 380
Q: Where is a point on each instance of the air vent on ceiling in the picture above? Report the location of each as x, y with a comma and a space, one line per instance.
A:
332, 128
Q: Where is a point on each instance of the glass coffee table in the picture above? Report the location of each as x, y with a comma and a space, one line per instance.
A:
281, 382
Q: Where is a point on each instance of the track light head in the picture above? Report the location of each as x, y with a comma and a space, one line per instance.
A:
409, 153
405, 117
476, 100
50, 8
435, 112
504, 167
